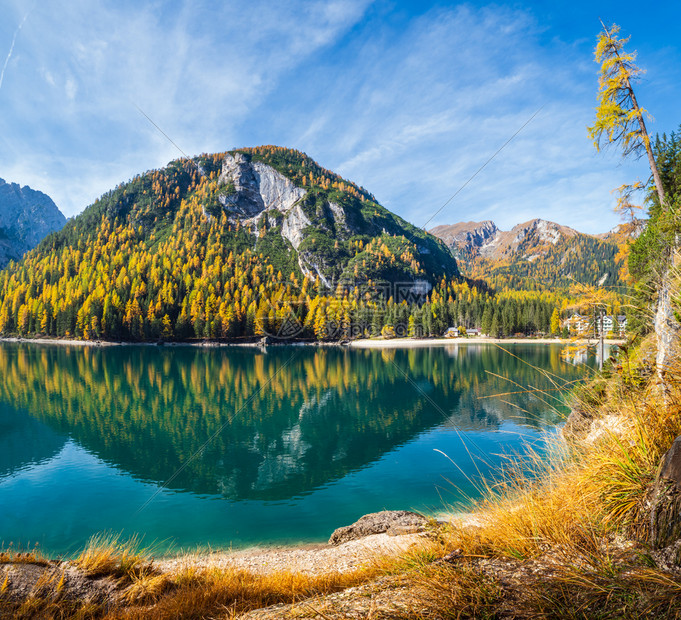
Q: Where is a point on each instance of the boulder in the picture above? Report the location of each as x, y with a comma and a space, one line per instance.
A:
665, 507
394, 522
578, 423
670, 466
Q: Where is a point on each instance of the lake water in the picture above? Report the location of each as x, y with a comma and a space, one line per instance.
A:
192, 446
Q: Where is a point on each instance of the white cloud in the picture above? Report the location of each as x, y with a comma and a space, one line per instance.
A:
71, 88
413, 116
409, 108
48, 77
198, 72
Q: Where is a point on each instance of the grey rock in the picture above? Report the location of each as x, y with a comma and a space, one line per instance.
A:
257, 188
27, 216
665, 505
578, 423
401, 530
394, 522
671, 464
668, 558
294, 224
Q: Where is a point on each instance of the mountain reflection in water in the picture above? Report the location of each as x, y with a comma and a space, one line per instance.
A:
245, 424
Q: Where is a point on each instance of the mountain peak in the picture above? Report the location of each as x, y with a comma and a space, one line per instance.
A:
26, 217
533, 248
222, 245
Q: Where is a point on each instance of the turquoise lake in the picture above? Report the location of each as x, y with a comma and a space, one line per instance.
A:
191, 446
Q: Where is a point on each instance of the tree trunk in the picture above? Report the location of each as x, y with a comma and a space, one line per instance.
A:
601, 343
667, 329
646, 143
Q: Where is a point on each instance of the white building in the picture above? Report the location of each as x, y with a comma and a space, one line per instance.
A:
578, 323
582, 324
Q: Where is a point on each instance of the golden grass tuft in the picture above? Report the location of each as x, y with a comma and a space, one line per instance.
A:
108, 554
17, 556
147, 588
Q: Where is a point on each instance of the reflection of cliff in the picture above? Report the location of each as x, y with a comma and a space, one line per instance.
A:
24, 441
313, 417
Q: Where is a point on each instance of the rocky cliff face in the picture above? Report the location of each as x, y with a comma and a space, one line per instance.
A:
261, 198
467, 238
317, 221
257, 195
26, 217
257, 188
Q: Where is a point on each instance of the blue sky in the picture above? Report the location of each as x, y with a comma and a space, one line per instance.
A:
406, 98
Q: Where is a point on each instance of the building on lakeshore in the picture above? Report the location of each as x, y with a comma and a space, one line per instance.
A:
584, 325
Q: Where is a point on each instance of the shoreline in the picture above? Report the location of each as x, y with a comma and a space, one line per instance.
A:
364, 343
411, 343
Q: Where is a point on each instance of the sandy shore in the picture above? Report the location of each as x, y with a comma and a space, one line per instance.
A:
307, 559
411, 343
316, 558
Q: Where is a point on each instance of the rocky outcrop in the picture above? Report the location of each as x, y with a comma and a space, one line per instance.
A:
256, 188
294, 224
394, 522
665, 508
667, 331
258, 196
578, 423
484, 239
467, 238
27, 216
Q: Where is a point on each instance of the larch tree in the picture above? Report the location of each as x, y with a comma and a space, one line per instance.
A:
555, 322
620, 120
619, 117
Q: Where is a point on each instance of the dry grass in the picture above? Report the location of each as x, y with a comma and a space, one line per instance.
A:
566, 537
18, 556
585, 491
225, 593
107, 554
144, 592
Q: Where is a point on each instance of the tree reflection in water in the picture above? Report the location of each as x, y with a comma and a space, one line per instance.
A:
286, 420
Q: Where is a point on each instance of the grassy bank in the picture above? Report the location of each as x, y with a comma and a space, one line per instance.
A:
571, 540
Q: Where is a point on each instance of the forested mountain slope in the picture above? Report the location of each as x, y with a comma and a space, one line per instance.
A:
215, 246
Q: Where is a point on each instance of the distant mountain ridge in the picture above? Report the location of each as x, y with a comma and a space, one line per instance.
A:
27, 216
546, 252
